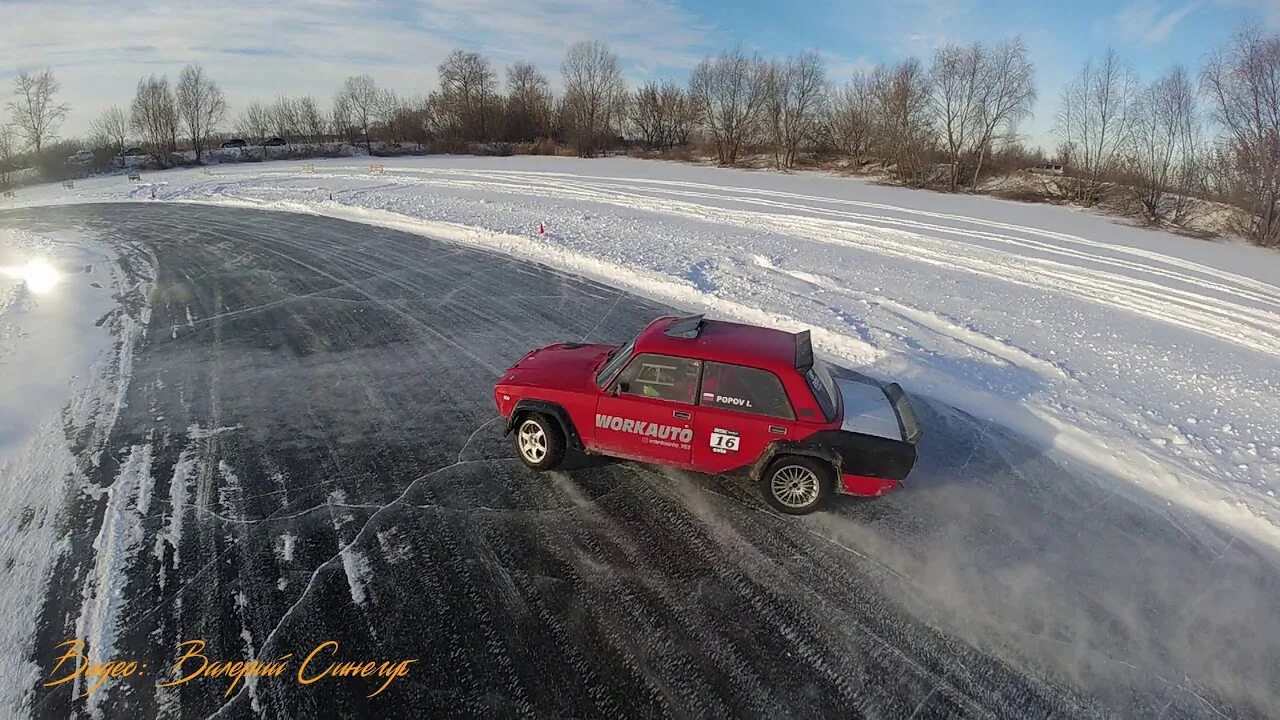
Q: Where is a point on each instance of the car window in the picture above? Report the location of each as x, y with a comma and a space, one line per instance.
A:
823, 387
745, 389
660, 376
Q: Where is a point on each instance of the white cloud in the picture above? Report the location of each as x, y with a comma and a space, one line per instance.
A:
1148, 22
841, 69
99, 48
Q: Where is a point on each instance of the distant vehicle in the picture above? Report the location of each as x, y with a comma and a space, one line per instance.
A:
274, 142
133, 152
80, 157
1047, 169
714, 397
234, 144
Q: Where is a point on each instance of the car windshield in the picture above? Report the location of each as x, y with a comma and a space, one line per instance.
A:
823, 387
616, 360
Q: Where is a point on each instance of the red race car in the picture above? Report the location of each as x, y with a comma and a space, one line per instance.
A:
713, 397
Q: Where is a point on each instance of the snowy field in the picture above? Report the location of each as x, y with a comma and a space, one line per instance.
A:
1152, 358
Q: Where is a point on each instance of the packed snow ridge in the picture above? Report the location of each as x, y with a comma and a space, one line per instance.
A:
1151, 358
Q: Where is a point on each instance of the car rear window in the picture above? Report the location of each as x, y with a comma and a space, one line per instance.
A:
662, 377
823, 387
749, 390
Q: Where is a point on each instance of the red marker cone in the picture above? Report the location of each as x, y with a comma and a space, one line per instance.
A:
542, 229
153, 193
331, 195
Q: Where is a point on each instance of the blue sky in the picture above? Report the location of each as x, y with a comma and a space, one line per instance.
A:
100, 48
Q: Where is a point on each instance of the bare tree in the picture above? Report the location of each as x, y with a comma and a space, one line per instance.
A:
851, 117
978, 93
680, 112
1095, 120
1162, 144
282, 119
404, 119
201, 106
1005, 96
796, 92
594, 96
466, 102
728, 94
8, 154
1243, 85
903, 123
357, 104
955, 82
646, 115
110, 129
254, 123
311, 121
392, 116
154, 116
35, 109
529, 103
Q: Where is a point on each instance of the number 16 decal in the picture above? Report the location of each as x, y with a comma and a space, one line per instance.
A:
724, 441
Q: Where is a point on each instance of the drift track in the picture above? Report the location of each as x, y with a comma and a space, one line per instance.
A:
308, 451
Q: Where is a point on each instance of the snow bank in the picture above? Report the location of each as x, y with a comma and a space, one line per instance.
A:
1149, 357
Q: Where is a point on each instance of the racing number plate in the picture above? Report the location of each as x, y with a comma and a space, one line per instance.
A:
724, 441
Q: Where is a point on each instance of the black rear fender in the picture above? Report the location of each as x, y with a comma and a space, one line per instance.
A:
848, 452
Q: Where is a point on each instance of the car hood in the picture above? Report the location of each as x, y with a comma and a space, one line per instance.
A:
564, 366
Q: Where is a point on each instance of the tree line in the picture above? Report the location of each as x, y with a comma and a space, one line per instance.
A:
1181, 138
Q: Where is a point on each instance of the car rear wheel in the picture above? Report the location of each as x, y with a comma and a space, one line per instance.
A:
539, 441
796, 485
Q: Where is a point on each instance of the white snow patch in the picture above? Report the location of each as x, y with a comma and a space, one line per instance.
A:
116, 546
179, 493
284, 547
195, 432
393, 547
358, 572
59, 377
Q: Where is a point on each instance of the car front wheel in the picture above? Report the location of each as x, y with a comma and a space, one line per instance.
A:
796, 485
539, 442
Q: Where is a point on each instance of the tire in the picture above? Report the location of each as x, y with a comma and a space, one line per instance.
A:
796, 485
539, 441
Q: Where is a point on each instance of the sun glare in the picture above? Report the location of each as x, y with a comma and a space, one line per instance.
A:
40, 277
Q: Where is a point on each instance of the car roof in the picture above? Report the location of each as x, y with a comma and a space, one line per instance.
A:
723, 341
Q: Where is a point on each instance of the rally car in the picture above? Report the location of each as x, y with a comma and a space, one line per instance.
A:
713, 397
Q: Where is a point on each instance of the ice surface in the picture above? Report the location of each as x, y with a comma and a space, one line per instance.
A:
320, 392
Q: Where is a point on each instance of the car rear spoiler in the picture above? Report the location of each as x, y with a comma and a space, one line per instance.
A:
804, 352
906, 414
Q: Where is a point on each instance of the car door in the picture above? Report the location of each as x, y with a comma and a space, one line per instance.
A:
740, 411
646, 413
